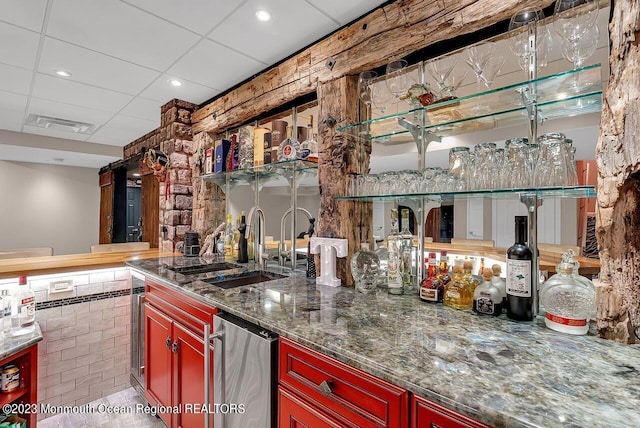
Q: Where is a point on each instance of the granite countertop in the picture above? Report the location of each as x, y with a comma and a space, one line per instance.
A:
494, 370
9, 345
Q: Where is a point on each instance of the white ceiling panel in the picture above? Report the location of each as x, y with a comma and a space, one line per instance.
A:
94, 68
12, 108
345, 11
28, 14
14, 79
215, 66
68, 111
144, 109
294, 24
31, 154
120, 30
122, 130
210, 12
18, 46
79, 94
162, 91
56, 133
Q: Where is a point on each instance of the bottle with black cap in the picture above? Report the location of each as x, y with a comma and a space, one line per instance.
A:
519, 280
243, 253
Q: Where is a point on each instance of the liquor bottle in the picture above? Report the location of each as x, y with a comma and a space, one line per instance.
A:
499, 283
23, 309
487, 299
443, 271
228, 238
407, 246
278, 135
481, 269
394, 248
365, 268
457, 292
233, 155
471, 279
243, 254
289, 148
245, 147
236, 237
309, 147
519, 279
432, 288
259, 146
568, 298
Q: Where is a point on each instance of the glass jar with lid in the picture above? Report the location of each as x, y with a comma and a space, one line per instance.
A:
568, 298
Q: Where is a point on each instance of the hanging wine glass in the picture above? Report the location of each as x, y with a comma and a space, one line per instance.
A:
524, 28
397, 79
365, 80
574, 18
477, 58
380, 97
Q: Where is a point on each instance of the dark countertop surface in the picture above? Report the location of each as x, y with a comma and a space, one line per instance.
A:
494, 370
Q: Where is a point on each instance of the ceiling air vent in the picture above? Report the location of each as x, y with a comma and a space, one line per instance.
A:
60, 124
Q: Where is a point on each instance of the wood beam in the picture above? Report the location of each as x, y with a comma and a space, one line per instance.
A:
391, 32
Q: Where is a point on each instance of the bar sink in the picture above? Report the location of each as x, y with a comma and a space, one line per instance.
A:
197, 269
245, 278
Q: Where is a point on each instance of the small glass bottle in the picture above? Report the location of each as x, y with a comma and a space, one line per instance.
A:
457, 293
365, 268
432, 288
499, 282
394, 261
487, 299
407, 247
568, 298
289, 148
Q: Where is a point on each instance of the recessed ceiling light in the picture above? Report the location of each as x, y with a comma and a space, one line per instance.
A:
263, 15
63, 73
175, 82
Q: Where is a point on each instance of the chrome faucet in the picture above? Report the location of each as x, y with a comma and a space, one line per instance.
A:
259, 245
283, 253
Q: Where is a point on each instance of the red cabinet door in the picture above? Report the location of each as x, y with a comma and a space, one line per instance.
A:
425, 414
294, 412
188, 369
157, 359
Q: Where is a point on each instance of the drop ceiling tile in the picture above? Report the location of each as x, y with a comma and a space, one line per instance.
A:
120, 30
37, 155
144, 109
215, 66
94, 68
28, 14
209, 12
12, 108
56, 133
122, 130
18, 46
68, 111
346, 11
79, 94
294, 24
14, 79
161, 90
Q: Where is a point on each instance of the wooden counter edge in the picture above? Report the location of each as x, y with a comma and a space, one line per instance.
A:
12, 268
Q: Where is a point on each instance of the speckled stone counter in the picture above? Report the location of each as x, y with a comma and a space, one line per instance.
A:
494, 370
9, 345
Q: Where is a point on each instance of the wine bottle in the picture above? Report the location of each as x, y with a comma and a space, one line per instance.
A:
519, 280
243, 255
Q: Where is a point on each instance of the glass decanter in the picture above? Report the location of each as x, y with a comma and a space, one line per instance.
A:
569, 299
365, 268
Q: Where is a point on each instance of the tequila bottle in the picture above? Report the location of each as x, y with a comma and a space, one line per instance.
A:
443, 272
471, 279
289, 148
394, 262
487, 299
458, 293
432, 288
499, 283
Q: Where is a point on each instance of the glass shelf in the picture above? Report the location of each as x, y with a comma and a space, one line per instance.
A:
541, 192
565, 94
266, 172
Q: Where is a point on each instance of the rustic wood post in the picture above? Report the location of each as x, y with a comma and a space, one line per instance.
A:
618, 160
341, 154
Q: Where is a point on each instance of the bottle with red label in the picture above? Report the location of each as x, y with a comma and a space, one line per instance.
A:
23, 309
289, 148
432, 288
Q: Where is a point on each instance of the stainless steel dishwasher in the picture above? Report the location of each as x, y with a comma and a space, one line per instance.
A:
244, 374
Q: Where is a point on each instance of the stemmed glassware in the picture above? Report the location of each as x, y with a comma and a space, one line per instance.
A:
579, 50
446, 79
365, 82
521, 43
477, 58
397, 79
574, 18
380, 97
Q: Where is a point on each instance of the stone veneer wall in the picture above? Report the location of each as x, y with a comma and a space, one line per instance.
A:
84, 354
174, 138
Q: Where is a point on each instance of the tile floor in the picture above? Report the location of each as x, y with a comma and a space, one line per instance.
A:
127, 400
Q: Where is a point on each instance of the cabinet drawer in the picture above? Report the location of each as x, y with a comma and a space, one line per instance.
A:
426, 414
360, 397
294, 412
168, 299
